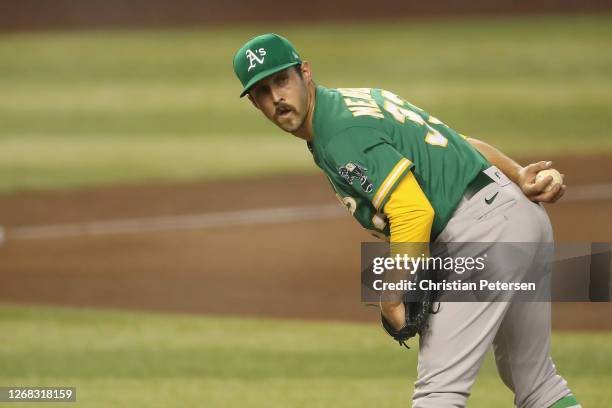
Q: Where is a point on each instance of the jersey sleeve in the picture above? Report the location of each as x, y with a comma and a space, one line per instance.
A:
367, 163
409, 212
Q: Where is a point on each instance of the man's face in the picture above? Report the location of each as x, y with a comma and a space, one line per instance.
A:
283, 98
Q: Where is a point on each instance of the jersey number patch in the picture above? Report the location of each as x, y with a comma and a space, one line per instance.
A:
395, 106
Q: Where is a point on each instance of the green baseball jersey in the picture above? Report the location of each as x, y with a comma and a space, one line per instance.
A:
366, 140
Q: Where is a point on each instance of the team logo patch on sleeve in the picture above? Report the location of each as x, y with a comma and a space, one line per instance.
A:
351, 171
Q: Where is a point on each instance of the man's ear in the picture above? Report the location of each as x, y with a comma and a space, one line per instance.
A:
306, 72
252, 101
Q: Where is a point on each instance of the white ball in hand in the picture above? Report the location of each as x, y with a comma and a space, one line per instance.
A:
557, 178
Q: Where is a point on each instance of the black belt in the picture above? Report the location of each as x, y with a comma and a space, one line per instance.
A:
480, 181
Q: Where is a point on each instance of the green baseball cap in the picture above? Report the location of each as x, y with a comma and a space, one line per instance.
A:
263, 56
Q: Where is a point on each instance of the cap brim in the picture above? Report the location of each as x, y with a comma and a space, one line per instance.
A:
264, 74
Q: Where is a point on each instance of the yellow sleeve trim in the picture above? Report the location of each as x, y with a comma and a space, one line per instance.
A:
409, 212
389, 181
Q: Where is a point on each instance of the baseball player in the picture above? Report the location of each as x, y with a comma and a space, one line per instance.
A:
406, 176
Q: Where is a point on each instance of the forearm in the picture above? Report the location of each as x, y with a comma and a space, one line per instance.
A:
524, 177
498, 159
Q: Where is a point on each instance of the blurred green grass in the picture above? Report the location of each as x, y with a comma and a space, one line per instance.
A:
86, 108
128, 359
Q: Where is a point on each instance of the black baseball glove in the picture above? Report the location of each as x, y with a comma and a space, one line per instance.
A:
417, 314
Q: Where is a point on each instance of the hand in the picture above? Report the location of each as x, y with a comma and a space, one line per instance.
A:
395, 313
535, 191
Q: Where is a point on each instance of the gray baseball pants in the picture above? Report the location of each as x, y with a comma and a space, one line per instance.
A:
459, 336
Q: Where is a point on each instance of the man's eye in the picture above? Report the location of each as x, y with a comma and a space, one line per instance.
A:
261, 90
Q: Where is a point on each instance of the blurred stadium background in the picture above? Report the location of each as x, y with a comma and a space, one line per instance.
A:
132, 177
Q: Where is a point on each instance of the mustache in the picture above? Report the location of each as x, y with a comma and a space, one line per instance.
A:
283, 107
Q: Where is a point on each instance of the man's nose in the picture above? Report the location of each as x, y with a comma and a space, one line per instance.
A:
276, 95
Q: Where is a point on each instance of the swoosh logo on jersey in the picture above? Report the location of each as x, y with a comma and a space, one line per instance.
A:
490, 200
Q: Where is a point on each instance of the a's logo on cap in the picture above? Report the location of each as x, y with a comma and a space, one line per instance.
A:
256, 57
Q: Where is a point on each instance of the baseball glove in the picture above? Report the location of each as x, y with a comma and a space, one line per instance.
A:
417, 314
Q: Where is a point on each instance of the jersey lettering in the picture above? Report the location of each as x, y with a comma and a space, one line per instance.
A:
349, 202
366, 111
352, 102
359, 93
360, 102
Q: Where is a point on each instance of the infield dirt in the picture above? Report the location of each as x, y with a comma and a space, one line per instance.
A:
299, 269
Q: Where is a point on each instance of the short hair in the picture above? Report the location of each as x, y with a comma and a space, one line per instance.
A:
298, 69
